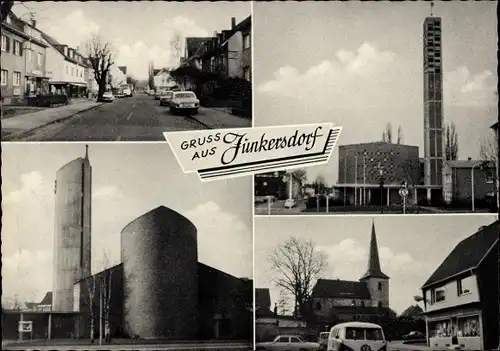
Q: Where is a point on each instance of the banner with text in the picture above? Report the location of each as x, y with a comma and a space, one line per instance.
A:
226, 153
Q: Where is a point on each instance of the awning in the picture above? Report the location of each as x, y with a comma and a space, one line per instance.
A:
78, 84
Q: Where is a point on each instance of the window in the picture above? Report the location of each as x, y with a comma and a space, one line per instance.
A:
16, 78
72, 71
282, 339
465, 285
318, 306
294, 339
363, 334
30, 55
17, 48
246, 73
489, 178
447, 197
468, 327
447, 178
4, 77
246, 41
67, 70
4, 43
439, 294
379, 286
39, 59
380, 304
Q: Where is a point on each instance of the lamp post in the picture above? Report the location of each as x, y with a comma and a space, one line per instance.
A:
327, 199
473, 185
317, 202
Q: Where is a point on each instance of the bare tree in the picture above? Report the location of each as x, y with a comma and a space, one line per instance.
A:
300, 174
106, 284
283, 303
451, 142
175, 47
101, 57
387, 133
489, 154
411, 171
297, 265
400, 135
11, 303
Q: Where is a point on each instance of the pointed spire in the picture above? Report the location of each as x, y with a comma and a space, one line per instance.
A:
432, 7
86, 152
374, 270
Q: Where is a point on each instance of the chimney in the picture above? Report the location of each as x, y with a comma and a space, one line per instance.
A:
65, 50
233, 22
33, 23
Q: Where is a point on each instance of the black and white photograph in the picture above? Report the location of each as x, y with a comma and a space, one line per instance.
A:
416, 283
111, 246
123, 70
413, 84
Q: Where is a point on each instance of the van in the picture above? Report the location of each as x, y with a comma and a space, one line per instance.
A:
356, 336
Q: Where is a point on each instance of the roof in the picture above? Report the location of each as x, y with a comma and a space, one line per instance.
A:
263, 312
469, 163
341, 289
364, 310
20, 31
54, 43
374, 270
358, 325
193, 43
262, 297
47, 300
495, 126
246, 22
467, 255
412, 311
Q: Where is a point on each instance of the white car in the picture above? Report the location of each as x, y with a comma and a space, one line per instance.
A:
165, 98
357, 336
288, 343
127, 92
290, 203
108, 96
184, 101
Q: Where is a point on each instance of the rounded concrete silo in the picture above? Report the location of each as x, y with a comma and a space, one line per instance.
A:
72, 231
160, 263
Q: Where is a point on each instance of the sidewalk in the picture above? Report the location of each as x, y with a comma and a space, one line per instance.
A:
216, 118
15, 126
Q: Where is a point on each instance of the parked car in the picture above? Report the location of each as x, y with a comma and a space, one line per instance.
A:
414, 335
108, 96
356, 336
166, 98
157, 95
323, 340
127, 92
184, 101
288, 343
290, 203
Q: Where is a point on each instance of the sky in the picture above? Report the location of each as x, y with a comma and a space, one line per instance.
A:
360, 65
139, 31
128, 180
410, 247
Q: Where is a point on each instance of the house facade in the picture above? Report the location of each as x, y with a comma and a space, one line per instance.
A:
23, 60
461, 296
469, 178
163, 80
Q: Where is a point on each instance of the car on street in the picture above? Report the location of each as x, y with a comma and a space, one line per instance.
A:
166, 98
356, 336
290, 203
288, 343
127, 92
157, 95
184, 101
323, 340
108, 96
414, 335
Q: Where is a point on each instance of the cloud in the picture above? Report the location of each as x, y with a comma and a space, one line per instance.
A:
73, 29
163, 53
463, 88
349, 260
108, 192
350, 78
222, 238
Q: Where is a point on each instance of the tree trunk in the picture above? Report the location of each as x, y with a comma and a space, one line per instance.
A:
102, 89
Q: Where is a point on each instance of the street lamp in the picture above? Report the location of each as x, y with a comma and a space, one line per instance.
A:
381, 173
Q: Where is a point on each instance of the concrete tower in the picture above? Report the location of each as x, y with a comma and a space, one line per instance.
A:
376, 281
72, 246
433, 107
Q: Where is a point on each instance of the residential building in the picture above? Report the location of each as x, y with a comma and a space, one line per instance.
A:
23, 59
116, 77
89, 77
271, 184
461, 296
471, 178
46, 304
239, 50
363, 168
334, 300
414, 312
163, 80
65, 67
433, 107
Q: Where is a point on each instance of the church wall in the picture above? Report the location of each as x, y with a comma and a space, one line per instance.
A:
379, 293
327, 304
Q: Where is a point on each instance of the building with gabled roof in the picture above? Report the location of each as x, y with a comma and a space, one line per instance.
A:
461, 295
335, 300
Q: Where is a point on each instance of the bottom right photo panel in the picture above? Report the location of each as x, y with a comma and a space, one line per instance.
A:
377, 283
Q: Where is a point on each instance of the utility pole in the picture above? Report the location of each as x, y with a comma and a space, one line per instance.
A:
432, 7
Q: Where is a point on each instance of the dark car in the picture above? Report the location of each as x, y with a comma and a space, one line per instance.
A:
414, 335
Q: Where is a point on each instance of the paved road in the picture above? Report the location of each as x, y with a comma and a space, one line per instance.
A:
183, 346
138, 118
278, 208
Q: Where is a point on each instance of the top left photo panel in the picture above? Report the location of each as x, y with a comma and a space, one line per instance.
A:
123, 71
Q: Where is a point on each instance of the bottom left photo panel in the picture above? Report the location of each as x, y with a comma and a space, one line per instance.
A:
111, 244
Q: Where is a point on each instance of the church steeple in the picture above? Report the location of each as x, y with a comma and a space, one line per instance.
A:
86, 152
374, 270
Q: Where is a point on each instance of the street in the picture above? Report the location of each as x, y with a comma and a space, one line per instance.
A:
194, 346
137, 118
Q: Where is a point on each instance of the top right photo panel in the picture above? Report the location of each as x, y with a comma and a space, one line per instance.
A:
413, 86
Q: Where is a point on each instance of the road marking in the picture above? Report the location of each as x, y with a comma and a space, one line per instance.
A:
130, 115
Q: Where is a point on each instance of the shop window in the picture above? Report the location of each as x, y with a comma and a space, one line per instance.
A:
440, 329
468, 327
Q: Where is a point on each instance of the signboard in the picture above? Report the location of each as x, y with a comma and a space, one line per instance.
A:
403, 192
25, 326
